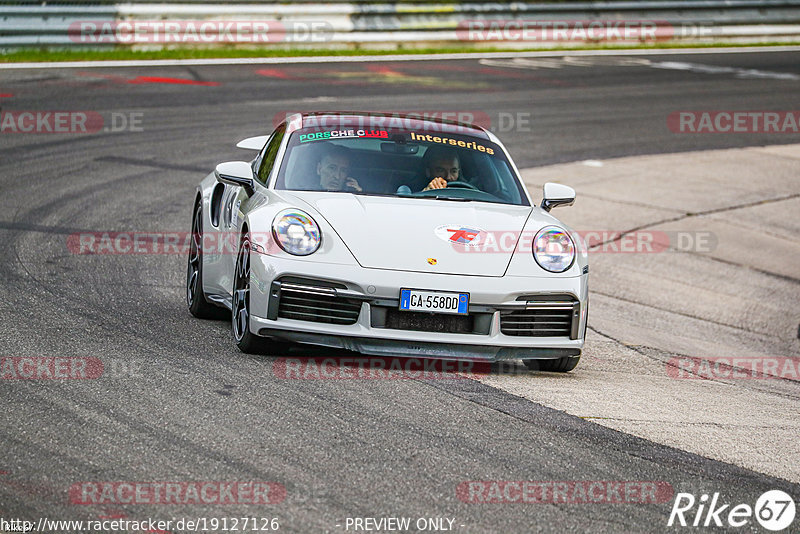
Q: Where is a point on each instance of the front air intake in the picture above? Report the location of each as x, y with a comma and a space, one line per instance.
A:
316, 304
542, 319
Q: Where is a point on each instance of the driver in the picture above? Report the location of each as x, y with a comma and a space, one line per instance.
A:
334, 170
441, 166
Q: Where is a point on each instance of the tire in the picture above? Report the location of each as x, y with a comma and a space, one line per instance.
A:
248, 342
557, 365
195, 297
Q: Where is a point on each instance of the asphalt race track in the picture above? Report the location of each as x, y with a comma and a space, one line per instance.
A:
177, 401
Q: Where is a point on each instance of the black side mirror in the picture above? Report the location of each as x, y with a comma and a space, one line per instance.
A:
236, 173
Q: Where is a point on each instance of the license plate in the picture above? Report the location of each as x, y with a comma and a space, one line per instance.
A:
434, 301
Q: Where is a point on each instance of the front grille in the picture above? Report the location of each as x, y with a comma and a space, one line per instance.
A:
552, 320
318, 305
429, 322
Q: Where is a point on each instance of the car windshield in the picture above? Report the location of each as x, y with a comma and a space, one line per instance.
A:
421, 163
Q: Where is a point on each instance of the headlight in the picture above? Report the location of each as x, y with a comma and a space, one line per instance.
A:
553, 249
296, 232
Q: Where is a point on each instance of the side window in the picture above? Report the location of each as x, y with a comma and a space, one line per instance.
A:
269, 154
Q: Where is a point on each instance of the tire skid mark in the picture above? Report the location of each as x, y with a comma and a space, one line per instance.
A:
644, 349
683, 314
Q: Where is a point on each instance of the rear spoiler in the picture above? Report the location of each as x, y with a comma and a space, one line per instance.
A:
253, 143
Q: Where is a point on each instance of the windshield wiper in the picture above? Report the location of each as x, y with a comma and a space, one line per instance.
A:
454, 199
433, 197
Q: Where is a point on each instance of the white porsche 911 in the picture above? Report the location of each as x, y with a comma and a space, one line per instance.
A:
389, 235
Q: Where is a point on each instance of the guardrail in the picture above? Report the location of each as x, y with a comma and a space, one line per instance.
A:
387, 24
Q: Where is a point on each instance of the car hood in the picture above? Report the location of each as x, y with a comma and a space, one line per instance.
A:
422, 235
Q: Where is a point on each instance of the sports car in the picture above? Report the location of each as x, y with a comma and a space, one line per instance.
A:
391, 235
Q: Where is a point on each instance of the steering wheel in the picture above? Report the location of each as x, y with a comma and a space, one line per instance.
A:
458, 184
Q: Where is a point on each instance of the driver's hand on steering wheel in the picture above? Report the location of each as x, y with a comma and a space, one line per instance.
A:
436, 183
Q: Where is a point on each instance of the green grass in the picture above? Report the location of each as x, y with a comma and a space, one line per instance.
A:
38, 55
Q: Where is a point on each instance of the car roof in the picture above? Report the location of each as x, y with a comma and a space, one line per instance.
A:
426, 121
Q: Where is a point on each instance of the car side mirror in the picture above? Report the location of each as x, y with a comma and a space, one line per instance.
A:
557, 195
236, 173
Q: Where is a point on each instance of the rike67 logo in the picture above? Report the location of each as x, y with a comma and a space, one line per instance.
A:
774, 510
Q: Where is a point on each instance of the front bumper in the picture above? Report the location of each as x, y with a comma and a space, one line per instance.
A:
380, 288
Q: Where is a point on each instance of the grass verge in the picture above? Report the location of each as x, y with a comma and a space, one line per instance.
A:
47, 55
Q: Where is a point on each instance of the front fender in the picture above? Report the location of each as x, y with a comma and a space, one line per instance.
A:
522, 262
259, 220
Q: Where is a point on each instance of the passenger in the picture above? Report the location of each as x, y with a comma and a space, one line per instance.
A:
333, 170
